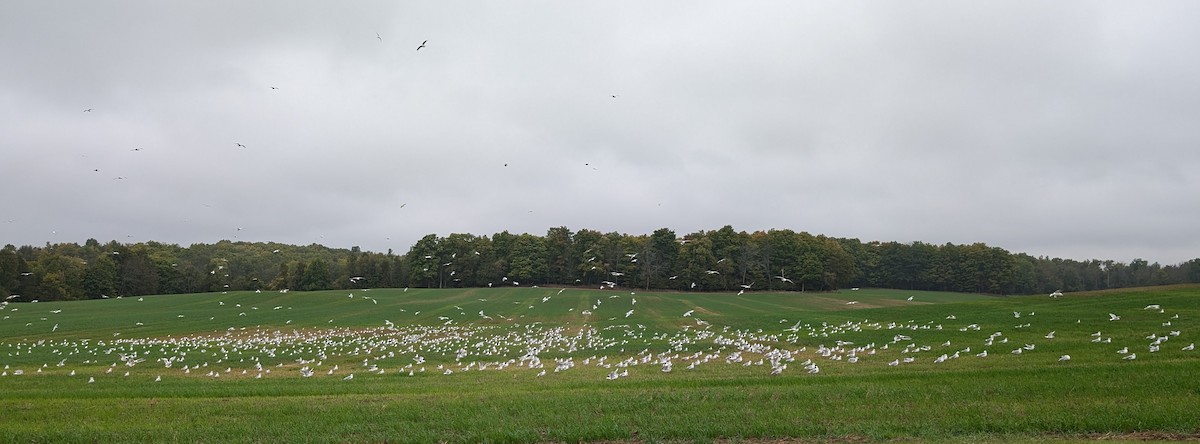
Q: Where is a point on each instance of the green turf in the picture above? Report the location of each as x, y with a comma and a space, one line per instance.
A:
547, 364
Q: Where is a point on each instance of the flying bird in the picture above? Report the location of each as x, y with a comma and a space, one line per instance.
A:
418, 47
240, 145
87, 110
379, 37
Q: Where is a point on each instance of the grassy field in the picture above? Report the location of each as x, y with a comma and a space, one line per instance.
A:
569, 365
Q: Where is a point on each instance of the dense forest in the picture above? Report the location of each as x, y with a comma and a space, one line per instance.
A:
720, 260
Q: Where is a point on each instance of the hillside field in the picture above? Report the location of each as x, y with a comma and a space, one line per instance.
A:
570, 365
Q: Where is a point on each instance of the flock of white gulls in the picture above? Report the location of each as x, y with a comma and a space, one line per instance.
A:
463, 343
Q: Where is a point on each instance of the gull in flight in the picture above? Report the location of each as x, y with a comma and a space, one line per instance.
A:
419, 48
1113, 317
240, 145
379, 37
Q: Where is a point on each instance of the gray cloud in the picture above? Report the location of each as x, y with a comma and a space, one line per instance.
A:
1062, 129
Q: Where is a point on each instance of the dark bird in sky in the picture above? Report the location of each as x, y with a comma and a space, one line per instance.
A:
422, 45
243, 146
87, 110
379, 37
274, 87
614, 96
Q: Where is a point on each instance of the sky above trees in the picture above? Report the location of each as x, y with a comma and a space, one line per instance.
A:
1063, 129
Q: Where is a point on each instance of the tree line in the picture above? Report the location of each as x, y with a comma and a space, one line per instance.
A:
715, 260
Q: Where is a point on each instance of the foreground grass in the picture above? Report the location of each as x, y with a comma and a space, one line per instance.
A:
1032, 402
1029, 397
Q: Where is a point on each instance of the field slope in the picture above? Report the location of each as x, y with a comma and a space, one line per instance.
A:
570, 365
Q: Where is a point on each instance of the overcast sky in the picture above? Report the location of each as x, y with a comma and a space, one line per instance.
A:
1065, 129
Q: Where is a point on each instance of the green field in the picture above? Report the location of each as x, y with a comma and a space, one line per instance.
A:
570, 365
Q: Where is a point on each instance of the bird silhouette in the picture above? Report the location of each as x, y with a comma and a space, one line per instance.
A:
422, 45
